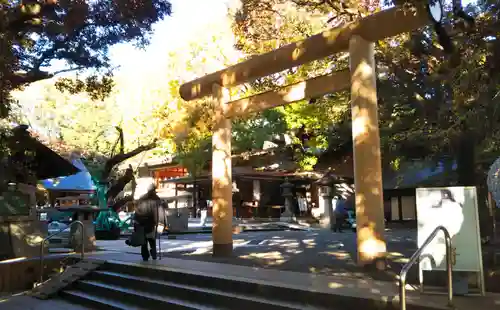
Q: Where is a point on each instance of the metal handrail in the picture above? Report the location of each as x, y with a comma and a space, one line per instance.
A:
42, 245
414, 258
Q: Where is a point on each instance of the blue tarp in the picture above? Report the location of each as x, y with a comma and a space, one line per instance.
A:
76, 182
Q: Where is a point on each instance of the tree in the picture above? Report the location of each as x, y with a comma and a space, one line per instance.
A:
77, 120
435, 103
194, 153
261, 26
87, 127
36, 33
179, 127
445, 106
40, 39
109, 182
409, 70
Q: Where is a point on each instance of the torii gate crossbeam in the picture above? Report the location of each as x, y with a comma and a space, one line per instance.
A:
357, 38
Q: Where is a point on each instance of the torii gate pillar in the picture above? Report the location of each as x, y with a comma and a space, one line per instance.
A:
222, 184
366, 150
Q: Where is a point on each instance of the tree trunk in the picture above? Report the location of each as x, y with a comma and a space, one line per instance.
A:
466, 159
195, 196
468, 175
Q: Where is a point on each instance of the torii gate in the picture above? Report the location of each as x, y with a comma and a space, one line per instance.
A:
358, 38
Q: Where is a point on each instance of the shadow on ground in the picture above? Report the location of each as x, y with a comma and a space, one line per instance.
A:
328, 254
310, 252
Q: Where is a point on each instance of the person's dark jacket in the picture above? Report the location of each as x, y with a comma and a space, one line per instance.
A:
150, 211
340, 208
202, 204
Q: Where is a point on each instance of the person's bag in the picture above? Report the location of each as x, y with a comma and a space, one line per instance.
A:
137, 237
160, 228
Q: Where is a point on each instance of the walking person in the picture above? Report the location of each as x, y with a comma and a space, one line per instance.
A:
203, 205
237, 201
149, 214
339, 214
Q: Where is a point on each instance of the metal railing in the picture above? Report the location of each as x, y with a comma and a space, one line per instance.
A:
42, 245
414, 258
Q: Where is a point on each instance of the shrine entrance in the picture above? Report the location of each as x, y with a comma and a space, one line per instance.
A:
358, 39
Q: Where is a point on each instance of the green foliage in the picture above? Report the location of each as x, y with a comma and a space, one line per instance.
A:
306, 160
98, 88
261, 26
436, 106
17, 158
79, 121
250, 134
431, 105
35, 33
194, 151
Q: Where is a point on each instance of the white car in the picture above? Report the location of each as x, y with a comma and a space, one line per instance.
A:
62, 239
351, 220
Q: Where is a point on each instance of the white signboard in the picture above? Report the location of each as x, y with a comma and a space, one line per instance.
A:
455, 208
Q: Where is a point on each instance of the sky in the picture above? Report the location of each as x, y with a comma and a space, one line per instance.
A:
188, 17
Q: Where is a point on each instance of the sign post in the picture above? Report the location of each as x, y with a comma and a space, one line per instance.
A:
456, 209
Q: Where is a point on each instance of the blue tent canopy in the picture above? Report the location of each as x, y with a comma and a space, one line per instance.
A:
80, 181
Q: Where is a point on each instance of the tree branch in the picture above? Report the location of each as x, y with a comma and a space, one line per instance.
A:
120, 137
67, 70
119, 203
120, 184
20, 79
118, 158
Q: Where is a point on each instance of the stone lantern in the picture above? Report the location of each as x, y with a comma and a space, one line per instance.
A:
325, 184
286, 191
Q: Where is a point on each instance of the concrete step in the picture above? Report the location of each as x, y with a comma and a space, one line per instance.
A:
133, 298
182, 284
93, 301
134, 286
229, 289
24, 302
211, 296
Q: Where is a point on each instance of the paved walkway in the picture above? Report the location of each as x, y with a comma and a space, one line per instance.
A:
312, 251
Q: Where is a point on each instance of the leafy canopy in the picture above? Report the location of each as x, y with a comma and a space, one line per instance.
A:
35, 35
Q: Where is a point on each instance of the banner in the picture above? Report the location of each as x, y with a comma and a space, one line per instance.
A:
456, 209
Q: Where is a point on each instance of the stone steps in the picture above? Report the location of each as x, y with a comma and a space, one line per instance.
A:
117, 286
120, 285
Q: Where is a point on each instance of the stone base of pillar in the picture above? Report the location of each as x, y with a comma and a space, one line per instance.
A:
377, 264
287, 216
89, 238
21, 239
222, 250
327, 222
